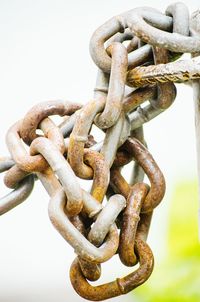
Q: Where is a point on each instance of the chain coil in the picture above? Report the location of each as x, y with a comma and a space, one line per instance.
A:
142, 49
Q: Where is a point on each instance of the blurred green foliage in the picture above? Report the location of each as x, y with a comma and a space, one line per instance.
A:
177, 278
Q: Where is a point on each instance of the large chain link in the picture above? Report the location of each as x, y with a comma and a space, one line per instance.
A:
139, 48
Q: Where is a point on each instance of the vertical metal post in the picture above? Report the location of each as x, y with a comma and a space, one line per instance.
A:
195, 31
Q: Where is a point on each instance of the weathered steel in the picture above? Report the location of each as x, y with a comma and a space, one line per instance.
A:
21, 192
131, 217
195, 29
179, 71
81, 245
113, 105
139, 48
121, 285
40, 111
149, 25
148, 164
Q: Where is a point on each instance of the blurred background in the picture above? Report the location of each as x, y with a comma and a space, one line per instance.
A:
44, 55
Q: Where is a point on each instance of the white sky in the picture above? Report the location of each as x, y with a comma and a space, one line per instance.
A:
44, 55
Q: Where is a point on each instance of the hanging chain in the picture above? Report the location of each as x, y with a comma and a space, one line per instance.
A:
141, 48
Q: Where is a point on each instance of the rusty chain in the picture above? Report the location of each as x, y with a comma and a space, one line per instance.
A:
140, 48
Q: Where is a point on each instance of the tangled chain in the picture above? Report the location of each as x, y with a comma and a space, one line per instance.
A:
139, 48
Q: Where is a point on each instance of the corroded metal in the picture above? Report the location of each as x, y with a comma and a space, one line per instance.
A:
131, 217
113, 105
148, 164
179, 71
25, 161
121, 285
63, 170
81, 245
140, 49
149, 25
21, 192
40, 111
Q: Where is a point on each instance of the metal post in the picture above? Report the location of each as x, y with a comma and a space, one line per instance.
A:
195, 31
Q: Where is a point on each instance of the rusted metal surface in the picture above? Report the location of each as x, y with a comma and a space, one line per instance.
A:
21, 192
101, 173
113, 105
79, 137
81, 245
25, 161
131, 217
140, 49
149, 25
179, 71
137, 174
151, 169
63, 170
121, 285
33, 118
166, 92
106, 218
